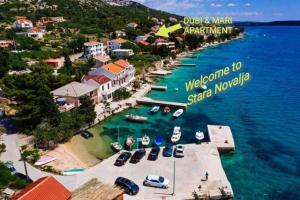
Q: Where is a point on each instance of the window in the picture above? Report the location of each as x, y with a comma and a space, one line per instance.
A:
102, 87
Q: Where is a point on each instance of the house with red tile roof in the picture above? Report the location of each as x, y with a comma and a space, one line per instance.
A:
102, 60
121, 73
36, 32
115, 44
103, 83
22, 22
46, 188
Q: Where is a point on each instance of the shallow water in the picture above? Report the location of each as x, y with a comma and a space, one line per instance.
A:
263, 114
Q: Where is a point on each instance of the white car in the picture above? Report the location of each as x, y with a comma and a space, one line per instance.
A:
179, 151
156, 181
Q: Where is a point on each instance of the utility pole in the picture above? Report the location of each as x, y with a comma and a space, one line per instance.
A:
174, 179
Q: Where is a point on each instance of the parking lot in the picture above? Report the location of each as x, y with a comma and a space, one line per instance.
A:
189, 171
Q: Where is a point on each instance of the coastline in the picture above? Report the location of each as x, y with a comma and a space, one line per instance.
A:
88, 153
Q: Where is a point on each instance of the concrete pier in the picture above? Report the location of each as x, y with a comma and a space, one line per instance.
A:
158, 87
161, 72
221, 136
149, 101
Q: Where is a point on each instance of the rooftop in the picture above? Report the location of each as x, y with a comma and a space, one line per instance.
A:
46, 188
102, 58
101, 79
122, 63
91, 43
119, 40
113, 68
74, 89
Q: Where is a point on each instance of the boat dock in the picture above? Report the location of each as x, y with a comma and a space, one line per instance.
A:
149, 101
158, 87
161, 72
221, 136
185, 65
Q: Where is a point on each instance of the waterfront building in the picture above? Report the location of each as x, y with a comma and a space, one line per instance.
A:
103, 83
46, 188
70, 93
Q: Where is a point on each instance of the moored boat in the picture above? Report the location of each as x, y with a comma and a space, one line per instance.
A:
199, 136
116, 145
130, 141
44, 160
203, 87
178, 113
136, 118
176, 134
158, 140
145, 140
154, 109
167, 110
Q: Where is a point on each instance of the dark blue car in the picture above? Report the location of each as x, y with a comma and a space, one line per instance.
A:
168, 150
129, 186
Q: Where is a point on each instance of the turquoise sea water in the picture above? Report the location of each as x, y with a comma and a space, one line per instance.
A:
263, 114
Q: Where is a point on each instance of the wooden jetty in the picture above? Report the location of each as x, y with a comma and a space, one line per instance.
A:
149, 101
185, 65
221, 136
158, 87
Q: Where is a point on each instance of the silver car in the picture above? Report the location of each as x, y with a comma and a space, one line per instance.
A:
156, 181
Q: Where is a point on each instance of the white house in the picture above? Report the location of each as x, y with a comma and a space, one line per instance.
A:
22, 22
103, 83
115, 44
36, 32
121, 73
92, 49
141, 38
132, 25
121, 53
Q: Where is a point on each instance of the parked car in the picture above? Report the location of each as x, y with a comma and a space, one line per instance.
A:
122, 159
11, 168
86, 134
129, 186
138, 155
156, 181
179, 151
168, 150
154, 153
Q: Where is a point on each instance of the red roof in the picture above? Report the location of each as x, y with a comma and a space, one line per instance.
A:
101, 79
119, 40
46, 188
91, 43
102, 58
35, 29
122, 63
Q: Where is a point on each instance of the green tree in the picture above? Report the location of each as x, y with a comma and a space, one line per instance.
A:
162, 51
4, 62
131, 45
87, 109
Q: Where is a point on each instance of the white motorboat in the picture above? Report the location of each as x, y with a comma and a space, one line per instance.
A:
154, 109
116, 145
130, 141
199, 135
203, 87
178, 113
176, 134
145, 140
136, 118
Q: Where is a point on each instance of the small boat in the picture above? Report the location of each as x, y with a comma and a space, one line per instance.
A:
176, 134
199, 135
73, 171
158, 140
44, 160
167, 110
130, 141
154, 109
116, 145
178, 113
203, 87
176, 89
136, 118
145, 140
